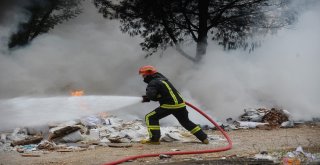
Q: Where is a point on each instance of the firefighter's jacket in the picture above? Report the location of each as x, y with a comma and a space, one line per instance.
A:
160, 89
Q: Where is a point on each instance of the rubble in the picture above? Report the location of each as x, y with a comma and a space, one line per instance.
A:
46, 145
84, 134
3, 138
17, 134
110, 131
261, 118
92, 121
275, 117
254, 115
72, 137
28, 140
59, 132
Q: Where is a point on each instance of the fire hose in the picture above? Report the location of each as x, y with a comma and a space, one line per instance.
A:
229, 146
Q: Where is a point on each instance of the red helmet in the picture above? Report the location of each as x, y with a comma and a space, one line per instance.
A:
147, 70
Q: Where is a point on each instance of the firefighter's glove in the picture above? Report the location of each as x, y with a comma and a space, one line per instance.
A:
145, 99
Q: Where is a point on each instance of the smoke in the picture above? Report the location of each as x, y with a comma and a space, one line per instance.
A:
92, 54
283, 73
6, 8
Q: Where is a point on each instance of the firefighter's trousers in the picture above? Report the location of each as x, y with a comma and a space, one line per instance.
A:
152, 121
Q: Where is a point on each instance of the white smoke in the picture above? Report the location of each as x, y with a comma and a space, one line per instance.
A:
92, 54
87, 52
283, 73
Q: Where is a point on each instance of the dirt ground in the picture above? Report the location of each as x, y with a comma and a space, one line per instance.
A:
246, 142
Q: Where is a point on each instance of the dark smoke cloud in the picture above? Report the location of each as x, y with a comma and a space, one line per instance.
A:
6, 9
9, 8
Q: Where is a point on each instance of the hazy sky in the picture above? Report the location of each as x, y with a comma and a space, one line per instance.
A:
91, 53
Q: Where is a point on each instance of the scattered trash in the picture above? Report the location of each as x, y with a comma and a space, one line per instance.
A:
171, 136
30, 155
254, 115
163, 156
215, 138
230, 125
26, 148
92, 121
36, 130
28, 140
299, 156
287, 124
64, 150
17, 135
3, 138
118, 139
264, 157
72, 137
248, 124
110, 131
94, 134
120, 145
104, 140
264, 152
59, 132
46, 145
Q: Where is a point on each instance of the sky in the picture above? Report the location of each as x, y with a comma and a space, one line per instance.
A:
92, 54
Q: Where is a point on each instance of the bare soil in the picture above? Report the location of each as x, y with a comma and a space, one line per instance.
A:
246, 142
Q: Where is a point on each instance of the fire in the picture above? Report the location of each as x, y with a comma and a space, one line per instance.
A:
103, 115
77, 93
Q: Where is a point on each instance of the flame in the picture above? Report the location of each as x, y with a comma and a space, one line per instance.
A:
83, 104
103, 115
77, 93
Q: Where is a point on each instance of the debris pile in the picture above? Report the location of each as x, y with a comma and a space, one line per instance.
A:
275, 117
87, 133
262, 118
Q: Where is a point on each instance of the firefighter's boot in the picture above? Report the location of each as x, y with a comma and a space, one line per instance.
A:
148, 141
205, 141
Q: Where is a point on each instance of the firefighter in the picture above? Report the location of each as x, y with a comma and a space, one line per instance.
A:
161, 90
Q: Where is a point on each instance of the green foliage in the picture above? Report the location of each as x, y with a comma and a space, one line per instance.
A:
43, 17
164, 23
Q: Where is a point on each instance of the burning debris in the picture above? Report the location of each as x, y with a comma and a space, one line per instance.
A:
260, 118
275, 117
77, 93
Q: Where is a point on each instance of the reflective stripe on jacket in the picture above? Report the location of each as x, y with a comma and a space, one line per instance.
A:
160, 89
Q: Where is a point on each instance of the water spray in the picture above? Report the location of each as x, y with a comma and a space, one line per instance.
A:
32, 111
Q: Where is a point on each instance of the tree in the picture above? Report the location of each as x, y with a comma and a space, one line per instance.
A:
43, 17
164, 23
